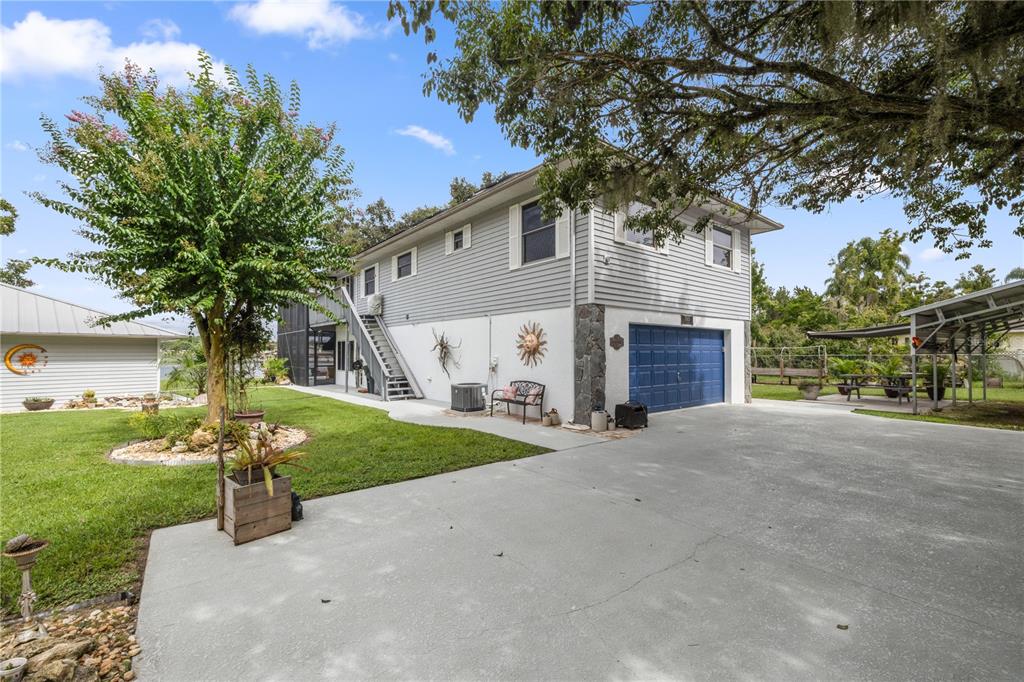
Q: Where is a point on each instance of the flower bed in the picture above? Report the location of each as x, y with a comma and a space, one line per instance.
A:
157, 451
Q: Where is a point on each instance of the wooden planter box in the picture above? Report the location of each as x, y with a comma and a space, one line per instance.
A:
250, 513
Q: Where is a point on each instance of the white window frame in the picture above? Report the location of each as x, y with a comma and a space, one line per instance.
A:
376, 280
621, 238
709, 247
563, 227
394, 265
467, 239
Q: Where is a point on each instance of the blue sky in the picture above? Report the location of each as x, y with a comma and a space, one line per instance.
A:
355, 70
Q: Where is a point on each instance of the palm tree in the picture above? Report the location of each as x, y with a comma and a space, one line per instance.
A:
1015, 274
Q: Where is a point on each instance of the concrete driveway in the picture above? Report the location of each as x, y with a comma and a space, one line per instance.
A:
725, 542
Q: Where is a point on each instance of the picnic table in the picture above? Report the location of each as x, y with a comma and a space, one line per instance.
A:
898, 383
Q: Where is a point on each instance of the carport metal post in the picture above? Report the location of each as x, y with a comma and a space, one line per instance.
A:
952, 370
935, 380
984, 365
970, 375
913, 359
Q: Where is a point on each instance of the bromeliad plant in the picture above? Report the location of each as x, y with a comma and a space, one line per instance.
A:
260, 455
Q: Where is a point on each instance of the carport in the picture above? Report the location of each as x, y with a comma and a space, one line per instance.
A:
968, 325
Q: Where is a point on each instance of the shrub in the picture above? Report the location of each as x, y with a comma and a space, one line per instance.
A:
839, 366
274, 368
89, 394
172, 426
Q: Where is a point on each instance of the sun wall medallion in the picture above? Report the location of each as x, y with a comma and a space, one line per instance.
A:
26, 358
530, 344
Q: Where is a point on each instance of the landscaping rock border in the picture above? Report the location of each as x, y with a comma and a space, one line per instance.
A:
156, 452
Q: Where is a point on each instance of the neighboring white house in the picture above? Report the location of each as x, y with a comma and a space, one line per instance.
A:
51, 349
621, 319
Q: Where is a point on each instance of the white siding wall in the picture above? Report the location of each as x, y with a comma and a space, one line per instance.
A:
109, 366
475, 281
498, 334
677, 280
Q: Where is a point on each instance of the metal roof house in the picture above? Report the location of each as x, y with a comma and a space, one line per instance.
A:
53, 349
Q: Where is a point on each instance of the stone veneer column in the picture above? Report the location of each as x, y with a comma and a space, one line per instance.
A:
590, 361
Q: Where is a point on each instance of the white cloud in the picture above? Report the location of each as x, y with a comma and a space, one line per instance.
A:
38, 46
18, 146
163, 29
931, 254
394, 56
320, 22
435, 140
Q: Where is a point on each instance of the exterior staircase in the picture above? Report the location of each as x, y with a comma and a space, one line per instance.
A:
398, 385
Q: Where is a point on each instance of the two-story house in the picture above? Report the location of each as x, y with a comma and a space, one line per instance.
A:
620, 319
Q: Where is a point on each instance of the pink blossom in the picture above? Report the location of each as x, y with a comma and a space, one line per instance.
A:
115, 134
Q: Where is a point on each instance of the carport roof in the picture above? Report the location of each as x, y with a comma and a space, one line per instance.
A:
26, 312
989, 311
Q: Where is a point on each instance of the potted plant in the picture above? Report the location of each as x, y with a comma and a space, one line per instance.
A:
257, 501
841, 366
809, 389
929, 372
89, 397
890, 371
35, 404
150, 403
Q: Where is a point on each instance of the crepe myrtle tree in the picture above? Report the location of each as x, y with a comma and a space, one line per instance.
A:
802, 103
211, 201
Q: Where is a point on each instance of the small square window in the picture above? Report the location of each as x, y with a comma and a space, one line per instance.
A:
722, 247
404, 263
458, 239
369, 281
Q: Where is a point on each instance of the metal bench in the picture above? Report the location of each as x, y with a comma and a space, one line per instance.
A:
528, 393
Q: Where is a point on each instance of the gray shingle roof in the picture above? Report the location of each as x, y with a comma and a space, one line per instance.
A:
26, 312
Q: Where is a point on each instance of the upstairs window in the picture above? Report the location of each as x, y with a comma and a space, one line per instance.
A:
403, 265
457, 239
538, 234
722, 252
637, 208
369, 281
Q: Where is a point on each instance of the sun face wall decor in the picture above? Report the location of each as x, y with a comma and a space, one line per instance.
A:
25, 358
530, 344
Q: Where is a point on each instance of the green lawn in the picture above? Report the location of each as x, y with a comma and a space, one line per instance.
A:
1010, 392
993, 415
57, 483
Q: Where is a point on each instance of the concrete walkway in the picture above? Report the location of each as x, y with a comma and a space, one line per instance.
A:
726, 542
433, 413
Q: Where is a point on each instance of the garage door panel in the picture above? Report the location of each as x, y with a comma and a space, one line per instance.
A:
673, 367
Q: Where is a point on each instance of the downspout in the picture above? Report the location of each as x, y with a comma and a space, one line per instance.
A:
572, 288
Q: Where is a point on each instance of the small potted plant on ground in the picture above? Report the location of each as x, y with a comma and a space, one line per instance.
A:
257, 501
929, 372
890, 372
809, 389
35, 404
843, 366
150, 403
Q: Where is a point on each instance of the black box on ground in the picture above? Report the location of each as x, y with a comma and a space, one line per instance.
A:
631, 415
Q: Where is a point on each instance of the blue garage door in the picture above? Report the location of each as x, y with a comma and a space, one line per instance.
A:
673, 367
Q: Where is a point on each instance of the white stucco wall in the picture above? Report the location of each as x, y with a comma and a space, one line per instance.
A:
617, 321
479, 339
109, 366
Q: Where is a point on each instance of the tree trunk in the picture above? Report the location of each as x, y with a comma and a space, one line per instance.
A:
216, 376
212, 333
